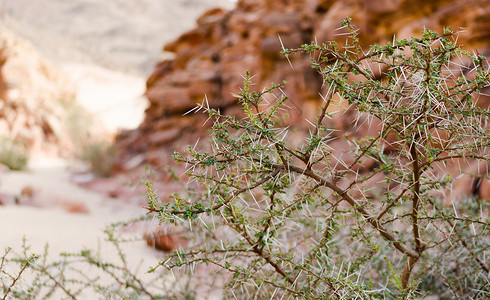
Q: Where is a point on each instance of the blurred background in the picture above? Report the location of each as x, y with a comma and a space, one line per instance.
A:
92, 93
72, 76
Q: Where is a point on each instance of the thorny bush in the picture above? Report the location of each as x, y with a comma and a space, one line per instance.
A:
280, 220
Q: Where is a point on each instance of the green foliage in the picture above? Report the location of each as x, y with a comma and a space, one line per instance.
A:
282, 220
99, 154
13, 154
77, 122
91, 144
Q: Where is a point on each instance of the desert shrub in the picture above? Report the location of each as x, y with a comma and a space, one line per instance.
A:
92, 145
99, 155
13, 154
77, 121
282, 218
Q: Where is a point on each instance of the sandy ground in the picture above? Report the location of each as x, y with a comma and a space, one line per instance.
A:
116, 101
46, 221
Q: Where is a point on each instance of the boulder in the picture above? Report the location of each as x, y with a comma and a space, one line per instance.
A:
164, 240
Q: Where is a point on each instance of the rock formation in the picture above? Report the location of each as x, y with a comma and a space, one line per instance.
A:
163, 239
33, 96
210, 60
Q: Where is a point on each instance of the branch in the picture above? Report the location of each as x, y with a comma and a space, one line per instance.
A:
259, 251
416, 198
344, 194
22, 269
483, 266
218, 206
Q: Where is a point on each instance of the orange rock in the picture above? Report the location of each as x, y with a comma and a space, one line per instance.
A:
75, 207
164, 241
484, 189
211, 59
161, 137
27, 196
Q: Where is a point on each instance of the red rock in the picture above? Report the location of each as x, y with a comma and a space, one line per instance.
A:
211, 16
467, 182
381, 6
211, 59
461, 188
75, 207
160, 138
164, 241
28, 195
484, 189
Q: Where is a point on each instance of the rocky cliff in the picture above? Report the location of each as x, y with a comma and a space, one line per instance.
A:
33, 97
210, 60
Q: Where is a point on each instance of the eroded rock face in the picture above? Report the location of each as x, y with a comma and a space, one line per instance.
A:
32, 96
210, 60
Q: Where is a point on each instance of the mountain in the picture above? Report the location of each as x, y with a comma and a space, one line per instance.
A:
125, 35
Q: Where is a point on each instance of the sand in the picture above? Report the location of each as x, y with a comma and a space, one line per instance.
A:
47, 220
